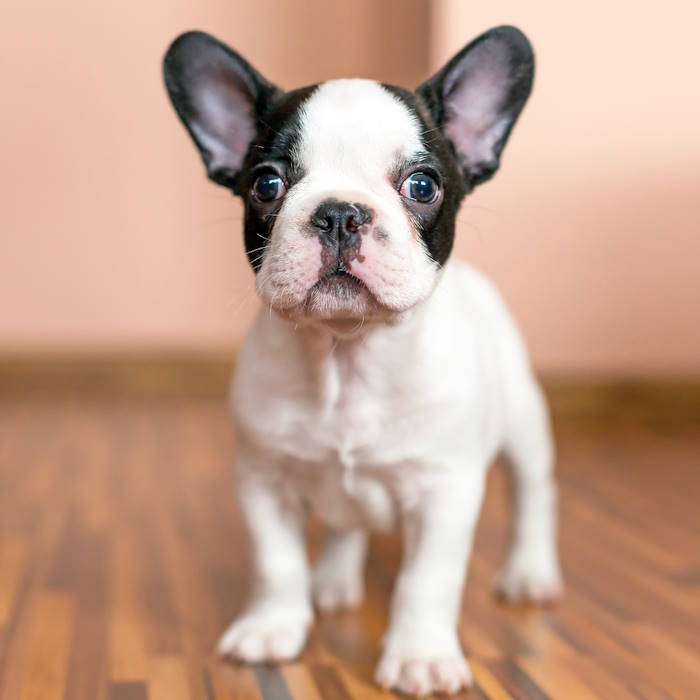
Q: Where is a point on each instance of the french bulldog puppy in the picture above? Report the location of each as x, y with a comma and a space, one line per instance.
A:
379, 379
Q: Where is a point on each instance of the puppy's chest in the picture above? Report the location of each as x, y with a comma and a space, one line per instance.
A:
326, 469
351, 418
348, 449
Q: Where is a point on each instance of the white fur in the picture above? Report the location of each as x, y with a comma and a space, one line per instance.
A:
394, 424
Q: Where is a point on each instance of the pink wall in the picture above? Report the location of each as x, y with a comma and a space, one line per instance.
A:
592, 226
110, 237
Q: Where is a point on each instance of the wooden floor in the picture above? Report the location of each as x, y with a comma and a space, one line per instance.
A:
122, 559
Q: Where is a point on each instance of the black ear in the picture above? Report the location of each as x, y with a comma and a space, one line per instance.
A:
476, 98
219, 97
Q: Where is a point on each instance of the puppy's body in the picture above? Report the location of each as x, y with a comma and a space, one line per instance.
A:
396, 425
379, 380
360, 427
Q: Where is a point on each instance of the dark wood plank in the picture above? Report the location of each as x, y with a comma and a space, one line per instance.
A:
128, 691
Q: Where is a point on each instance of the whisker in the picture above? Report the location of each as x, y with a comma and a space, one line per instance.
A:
257, 259
255, 250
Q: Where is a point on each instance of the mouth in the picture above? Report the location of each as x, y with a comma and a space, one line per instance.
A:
340, 284
339, 296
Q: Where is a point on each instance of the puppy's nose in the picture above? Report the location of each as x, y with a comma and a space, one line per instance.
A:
339, 223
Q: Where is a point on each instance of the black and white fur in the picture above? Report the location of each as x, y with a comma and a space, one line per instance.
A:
379, 379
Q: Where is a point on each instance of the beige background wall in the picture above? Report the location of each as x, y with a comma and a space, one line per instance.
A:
111, 238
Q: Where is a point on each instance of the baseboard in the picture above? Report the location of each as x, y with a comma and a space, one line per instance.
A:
207, 374
132, 374
654, 402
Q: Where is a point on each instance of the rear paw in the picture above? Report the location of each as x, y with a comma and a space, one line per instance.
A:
334, 591
530, 575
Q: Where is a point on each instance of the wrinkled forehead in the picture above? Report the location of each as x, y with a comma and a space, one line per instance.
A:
356, 127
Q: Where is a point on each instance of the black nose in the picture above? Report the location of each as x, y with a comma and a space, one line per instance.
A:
339, 223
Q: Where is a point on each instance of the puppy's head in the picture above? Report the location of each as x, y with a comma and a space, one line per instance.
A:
351, 187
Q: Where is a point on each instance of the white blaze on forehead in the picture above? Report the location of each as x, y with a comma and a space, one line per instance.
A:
355, 128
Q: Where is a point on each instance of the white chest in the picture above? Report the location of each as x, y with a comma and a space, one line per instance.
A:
349, 441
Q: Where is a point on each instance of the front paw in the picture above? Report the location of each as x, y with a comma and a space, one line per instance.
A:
530, 574
267, 632
423, 663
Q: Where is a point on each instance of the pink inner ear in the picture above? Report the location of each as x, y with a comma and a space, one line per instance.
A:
474, 97
226, 124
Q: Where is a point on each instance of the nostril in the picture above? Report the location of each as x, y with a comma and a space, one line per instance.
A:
325, 223
352, 224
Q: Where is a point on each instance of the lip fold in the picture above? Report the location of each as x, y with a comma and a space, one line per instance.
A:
339, 282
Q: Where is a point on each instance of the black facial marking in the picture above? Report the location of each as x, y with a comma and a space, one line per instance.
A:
279, 130
465, 149
240, 123
435, 223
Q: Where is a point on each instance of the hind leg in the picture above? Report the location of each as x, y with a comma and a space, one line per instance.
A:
531, 571
337, 582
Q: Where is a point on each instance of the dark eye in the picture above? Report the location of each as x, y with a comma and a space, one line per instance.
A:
268, 187
420, 187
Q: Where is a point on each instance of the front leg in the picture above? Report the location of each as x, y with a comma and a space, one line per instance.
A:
275, 623
422, 653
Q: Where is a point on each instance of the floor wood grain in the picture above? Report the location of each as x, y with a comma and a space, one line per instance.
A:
122, 559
